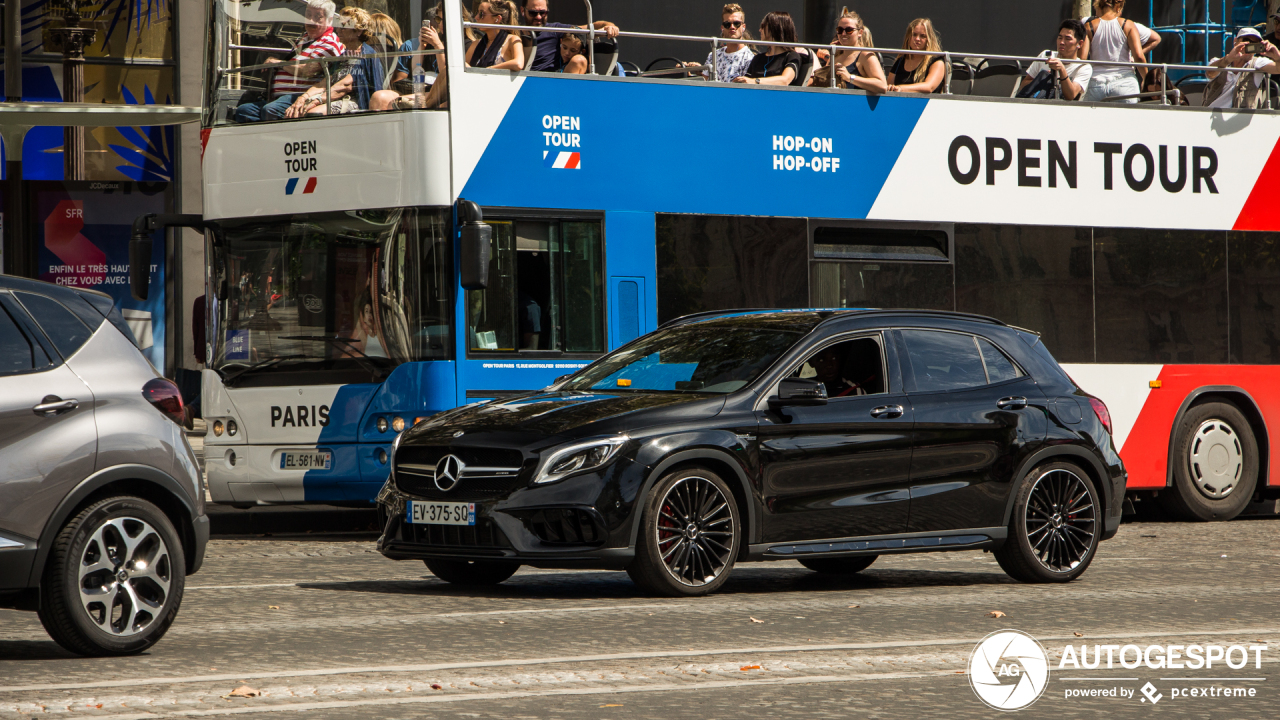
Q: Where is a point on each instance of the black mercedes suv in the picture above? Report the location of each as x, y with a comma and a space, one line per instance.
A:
827, 437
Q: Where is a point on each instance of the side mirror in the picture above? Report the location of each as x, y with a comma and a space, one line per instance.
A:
477, 249
797, 392
140, 265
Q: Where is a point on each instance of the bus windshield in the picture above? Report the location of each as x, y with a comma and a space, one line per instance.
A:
332, 297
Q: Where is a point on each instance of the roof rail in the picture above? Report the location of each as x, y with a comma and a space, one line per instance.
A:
931, 313
712, 313
830, 314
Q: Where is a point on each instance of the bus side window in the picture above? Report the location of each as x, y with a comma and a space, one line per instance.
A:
546, 289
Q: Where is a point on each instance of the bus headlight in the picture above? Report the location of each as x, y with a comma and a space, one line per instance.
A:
217, 428
382, 424
398, 424
232, 428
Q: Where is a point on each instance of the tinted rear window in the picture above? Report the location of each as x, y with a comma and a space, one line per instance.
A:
106, 307
67, 332
943, 360
16, 354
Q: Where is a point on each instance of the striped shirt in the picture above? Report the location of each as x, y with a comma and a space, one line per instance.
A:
328, 45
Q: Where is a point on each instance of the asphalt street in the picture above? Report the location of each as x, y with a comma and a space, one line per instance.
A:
323, 626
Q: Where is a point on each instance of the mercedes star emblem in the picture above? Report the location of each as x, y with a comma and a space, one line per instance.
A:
460, 433
449, 472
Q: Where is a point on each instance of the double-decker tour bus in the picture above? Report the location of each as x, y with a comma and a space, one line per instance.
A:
348, 300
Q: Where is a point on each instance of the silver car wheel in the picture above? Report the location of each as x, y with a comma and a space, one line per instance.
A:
695, 531
1061, 520
1215, 458
124, 576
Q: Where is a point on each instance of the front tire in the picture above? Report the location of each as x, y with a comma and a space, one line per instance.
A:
689, 535
472, 572
1056, 526
1215, 464
114, 580
839, 566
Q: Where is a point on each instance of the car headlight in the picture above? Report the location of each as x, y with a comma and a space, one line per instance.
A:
579, 457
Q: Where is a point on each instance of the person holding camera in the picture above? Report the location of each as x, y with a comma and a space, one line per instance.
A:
1238, 88
1072, 78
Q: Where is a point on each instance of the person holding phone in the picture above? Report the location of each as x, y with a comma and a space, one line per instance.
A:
1240, 89
1073, 77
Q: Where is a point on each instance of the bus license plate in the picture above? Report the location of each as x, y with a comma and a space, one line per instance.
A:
306, 460
432, 513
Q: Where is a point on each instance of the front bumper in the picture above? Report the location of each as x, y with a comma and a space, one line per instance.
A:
538, 526
255, 476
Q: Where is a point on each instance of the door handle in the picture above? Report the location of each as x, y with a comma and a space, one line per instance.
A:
1012, 403
887, 411
53, 405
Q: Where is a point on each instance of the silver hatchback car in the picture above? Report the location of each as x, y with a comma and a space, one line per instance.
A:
101, 498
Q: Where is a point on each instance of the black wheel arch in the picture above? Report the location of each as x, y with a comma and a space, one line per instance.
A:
1075, 454
1244, 402
141, 481
713, 458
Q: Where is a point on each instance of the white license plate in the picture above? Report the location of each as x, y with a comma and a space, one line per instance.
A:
306, 460
434, 513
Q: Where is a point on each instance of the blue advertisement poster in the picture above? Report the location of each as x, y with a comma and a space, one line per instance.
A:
82, 232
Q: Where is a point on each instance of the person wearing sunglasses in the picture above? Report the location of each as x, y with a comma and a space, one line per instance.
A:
732, 58
547, 55
855, 68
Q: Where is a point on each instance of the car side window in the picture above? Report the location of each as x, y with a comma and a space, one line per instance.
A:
944, 360
67, 332
17, 353
999, 366
854, 367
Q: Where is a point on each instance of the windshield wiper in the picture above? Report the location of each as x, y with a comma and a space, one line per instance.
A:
361, 358
265, 364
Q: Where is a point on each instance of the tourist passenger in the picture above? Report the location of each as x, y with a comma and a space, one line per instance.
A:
1148, 37
1113, 38
402, 94
1072, 78
854, 67
915, 72
778, 64
357, 79
548, 43
731, 59
573, 55
386, 33
319, 41
496, 49
1240, 89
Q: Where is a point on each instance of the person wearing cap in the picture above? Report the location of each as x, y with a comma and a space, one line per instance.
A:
1237, 89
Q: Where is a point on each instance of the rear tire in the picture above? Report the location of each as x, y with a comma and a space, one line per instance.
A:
689, 535
1056, 526
1215, 464
472, 572
114, 580
839, 566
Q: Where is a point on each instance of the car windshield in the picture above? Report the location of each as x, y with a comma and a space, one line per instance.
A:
699, 358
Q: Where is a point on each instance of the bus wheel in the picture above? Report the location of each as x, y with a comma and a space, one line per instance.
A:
1215, 464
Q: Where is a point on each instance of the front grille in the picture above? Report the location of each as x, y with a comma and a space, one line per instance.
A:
484, 535
564, 526
488, 473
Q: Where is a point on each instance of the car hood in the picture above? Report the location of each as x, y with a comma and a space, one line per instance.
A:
526, 418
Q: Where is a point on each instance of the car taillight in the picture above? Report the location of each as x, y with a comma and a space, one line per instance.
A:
165, 397
1104, 415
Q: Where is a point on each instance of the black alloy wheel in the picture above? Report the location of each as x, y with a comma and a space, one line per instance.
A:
1056, 526
1215, 464
839, 566
689, 535
472, 572
114, 580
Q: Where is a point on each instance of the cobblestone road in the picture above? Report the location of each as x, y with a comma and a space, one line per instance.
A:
356, 635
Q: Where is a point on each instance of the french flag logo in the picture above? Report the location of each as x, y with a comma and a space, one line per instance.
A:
562, 161
307, 189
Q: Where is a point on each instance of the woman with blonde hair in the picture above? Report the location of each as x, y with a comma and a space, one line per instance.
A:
854, 67
1114, 39
496, 49
915, 72
386, 33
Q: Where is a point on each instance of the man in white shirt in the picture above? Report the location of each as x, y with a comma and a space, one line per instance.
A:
731, 60
1073, 78
1266, 61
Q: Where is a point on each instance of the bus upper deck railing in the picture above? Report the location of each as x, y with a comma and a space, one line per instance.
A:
229, 89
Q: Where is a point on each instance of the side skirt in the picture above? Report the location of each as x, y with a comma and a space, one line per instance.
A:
971, 539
